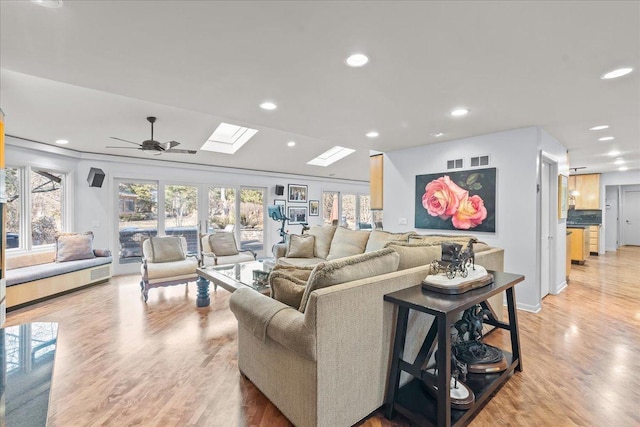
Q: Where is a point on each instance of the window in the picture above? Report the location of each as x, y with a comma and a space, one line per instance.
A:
35, 207
137, 218
347, 210
181, 213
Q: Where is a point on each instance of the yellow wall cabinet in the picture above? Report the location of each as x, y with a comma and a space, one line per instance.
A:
375, 181
585, 190
579, 244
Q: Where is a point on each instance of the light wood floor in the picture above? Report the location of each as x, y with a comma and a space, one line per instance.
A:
123, 363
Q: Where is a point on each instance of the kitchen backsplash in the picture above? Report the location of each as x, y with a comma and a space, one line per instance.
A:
584, 216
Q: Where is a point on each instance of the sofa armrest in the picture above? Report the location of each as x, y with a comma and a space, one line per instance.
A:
266, 318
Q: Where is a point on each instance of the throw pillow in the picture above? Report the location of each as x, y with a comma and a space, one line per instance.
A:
415, 254
323, 235
286, 288
348, 269
166, 249
74, 246
223, 243
379, 238
301, 246
347, 243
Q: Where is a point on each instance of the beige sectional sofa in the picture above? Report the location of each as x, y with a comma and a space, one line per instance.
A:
326, 362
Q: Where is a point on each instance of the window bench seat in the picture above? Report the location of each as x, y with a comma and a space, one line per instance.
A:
35, 276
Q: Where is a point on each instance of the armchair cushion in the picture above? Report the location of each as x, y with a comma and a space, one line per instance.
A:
223, 243
171, 269
301, 246
351, 268
347, 243
74, 246
166, 249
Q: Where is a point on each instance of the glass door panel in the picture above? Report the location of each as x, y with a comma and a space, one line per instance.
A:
222, 209
138, 218
252, 219
364, 213
348, 211
181, 213
330, 208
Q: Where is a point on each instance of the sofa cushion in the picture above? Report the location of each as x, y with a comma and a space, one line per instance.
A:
166, 249
302, 272
323, 236
301, 246
286, 288
74, 246
300, 262
415, 254
344, 270
223, 243
379, 238
347, 243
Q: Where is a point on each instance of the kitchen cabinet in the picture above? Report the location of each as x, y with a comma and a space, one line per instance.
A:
594, 239
585, 190
579, 244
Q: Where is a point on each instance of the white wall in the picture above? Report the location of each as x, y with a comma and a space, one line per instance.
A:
515, 154
94, 208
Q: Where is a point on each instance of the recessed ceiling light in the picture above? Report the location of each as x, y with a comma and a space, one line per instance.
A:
373, 134
437, 134
601, 127
291, 143
613, 153
62, 141
357, 60
606, 138
459, 112
268, 106
623, 168
616, 73
619, 161
53, 4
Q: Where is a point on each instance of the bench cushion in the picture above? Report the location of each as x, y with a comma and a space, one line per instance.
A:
42, 271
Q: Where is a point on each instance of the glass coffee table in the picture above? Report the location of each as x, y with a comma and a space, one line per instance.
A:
252, 274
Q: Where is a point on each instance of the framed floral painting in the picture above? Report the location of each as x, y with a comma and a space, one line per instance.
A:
464, 200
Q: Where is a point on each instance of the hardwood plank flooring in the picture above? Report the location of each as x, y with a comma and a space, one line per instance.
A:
123, 363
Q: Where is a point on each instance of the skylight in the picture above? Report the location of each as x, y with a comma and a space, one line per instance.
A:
331, 156
228, 138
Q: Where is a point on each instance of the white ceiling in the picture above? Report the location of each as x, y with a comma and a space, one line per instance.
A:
95, 69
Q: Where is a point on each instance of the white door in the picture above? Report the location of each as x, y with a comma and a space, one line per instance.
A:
631, 218
545, 234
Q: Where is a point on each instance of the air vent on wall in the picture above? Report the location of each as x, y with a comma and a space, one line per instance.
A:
454, 164
100, 273
480, 161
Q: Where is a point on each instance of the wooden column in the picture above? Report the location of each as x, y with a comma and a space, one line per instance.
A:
376, 180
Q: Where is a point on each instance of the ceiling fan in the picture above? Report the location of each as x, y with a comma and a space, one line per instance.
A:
153, 145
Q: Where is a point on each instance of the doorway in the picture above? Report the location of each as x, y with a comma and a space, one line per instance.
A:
547, 231
631, 217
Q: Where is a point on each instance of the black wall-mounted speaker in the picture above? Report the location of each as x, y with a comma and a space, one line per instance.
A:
279, 190
95, 178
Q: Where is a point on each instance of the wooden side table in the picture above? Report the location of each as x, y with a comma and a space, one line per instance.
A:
411, 400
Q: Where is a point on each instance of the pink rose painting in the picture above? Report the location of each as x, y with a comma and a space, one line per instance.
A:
457, 200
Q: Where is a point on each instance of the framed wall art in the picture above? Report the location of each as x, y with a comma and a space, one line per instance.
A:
297, 214
563, 196
464, 200
314, 207
297, 193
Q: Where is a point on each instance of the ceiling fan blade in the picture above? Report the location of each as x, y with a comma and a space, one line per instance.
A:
124, 140
173, 144
181, 151
125, 148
